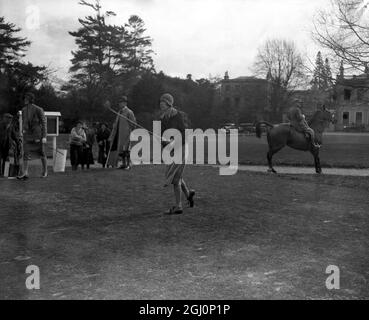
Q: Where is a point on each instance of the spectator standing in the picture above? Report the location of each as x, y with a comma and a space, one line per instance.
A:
4, 140
34, 135
120, 136
102, 138
87, 148
77, 140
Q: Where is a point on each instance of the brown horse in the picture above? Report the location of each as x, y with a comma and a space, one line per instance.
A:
281, 135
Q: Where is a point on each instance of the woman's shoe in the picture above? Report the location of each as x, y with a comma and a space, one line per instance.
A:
23, 177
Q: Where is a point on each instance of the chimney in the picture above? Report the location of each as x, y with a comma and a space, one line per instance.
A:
226, 76
342, 70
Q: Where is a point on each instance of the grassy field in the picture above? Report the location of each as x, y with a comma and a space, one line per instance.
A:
338, 150
102, 234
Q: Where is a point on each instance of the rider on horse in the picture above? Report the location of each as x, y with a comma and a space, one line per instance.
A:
298, 121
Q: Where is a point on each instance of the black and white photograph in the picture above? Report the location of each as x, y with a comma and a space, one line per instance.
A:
201, 151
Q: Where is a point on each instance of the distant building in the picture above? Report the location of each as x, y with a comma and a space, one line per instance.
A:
244, 99
352, 101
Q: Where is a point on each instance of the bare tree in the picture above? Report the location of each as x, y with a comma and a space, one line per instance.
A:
343, 29
280, 62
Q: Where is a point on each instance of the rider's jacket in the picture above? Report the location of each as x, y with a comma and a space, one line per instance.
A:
297, 120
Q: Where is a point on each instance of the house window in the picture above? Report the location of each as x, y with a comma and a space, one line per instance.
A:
359, 118
227, 102
237, 101
345, 118
227, 88
360, 94
347, 94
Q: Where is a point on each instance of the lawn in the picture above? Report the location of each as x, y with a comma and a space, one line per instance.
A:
103, 234
338, 150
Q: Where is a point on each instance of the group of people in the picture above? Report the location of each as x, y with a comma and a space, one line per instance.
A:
113, 145
30, 142
82, 140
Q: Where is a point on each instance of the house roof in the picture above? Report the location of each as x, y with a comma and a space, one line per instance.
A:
361, 80
244, 79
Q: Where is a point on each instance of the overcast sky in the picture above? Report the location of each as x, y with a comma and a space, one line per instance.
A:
199, 37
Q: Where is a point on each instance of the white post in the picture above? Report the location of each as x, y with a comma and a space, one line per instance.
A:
20, 123
54, 149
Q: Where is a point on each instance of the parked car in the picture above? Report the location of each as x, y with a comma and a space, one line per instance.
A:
354, 128
228, 126
247, 128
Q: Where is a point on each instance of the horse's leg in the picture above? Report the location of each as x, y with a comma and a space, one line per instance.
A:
318, 168
1, 166
270, 154
269, 157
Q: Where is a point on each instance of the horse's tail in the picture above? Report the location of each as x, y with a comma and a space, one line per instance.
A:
258, 127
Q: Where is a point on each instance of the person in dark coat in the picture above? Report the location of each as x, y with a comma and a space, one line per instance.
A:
87, 148
124, 124
34, 135
5, 126
77, 140
102, 139
15, 143
171, 118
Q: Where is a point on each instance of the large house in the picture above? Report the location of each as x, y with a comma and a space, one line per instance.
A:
244, 98
352, 101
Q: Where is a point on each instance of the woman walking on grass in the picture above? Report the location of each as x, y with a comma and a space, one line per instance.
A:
171, 118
